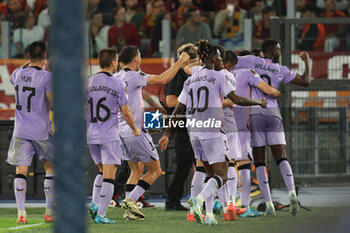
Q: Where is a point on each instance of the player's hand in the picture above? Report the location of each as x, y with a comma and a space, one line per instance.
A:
137, 132
304, 56
184, 57
263, 102
163, 143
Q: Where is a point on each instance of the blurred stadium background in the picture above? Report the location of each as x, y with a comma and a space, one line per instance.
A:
316, 119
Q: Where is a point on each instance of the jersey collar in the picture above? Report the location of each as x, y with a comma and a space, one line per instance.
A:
35, 67
106, 73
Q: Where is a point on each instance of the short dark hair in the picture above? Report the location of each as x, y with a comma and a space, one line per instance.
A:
115, 10
37, 50
256, 52
188, 14
106, 56
310, 7
253, 2
230, 58
222, 51
94, 13
268, 45
244, 53
268, 9
128, 53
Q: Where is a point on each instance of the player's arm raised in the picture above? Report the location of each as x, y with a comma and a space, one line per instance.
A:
305, 78
164, 140
243, 101
268, 90
169, 74
129, 118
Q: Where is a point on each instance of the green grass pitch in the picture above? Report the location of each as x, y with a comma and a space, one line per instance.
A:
159, 221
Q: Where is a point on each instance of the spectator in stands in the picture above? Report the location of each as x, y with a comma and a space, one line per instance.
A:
44, 19
255, 12
194, 29
262, 29
178, 17
340, 4
155, 8
91, 6
204, 5
334, 32
105, 6
98, 34
313, 35
14, 13
27, 34
299, 6
122, 33
131, 15
229, 22
39, 6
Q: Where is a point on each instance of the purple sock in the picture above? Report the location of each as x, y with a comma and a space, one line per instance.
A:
140, 188
106, 194
97, 189
209, 202
263, 182
49, 191
222, 193
232, 181
20, 185
211, 187
128, 189
197, 182
287, 174
244, 175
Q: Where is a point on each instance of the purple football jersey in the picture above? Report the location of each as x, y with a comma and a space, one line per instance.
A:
245, 80
32, 108
203, 94
229, 115
104, 95
134, 81
274, 74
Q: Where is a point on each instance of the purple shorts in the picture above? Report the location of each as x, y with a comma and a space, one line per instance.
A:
106, 153
214, 150
234, 149
267, 131
21, 151
245, 141
139, 149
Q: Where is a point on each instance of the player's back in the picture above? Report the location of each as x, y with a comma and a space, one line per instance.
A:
104, 95
273, 74
246, 80
203, 94
134, 81
32, 107
229, 115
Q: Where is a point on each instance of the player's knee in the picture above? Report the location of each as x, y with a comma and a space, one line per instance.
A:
281, 160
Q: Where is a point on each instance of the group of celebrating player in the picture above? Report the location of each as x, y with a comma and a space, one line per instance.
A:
220, 87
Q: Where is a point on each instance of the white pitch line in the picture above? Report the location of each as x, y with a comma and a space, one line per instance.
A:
21, 227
